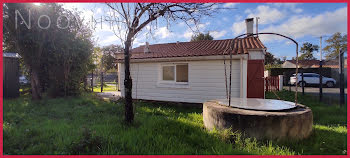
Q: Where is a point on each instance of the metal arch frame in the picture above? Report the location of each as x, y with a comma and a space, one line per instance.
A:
265, 33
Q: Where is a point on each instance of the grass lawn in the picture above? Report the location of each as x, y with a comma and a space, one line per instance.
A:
87, 125
330, 126
108, 86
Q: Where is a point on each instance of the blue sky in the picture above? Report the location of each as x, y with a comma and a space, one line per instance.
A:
305, 22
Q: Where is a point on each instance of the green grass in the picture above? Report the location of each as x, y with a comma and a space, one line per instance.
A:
106, 88
329, 134
87, 125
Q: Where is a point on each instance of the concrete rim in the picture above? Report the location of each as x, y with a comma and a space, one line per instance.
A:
290, 124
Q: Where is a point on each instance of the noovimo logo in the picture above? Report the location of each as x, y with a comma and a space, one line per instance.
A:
63, 21
28, 22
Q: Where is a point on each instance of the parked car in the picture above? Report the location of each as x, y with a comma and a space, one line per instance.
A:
23, 80
312, 79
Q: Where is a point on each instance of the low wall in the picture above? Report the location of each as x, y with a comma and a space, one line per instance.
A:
291, 124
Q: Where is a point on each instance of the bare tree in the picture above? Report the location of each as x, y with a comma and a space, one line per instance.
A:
128, 19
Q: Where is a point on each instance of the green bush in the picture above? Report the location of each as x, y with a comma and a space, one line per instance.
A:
57, 58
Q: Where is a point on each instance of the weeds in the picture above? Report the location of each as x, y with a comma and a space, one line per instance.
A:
88, 144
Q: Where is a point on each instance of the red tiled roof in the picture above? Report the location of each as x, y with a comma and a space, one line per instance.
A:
199, 48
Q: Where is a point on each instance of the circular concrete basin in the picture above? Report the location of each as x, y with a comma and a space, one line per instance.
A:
258, 104
287, 123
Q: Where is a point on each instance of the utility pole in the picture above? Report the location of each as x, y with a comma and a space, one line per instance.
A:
320, 69
257, 23
320, 47
302, 82
101, 75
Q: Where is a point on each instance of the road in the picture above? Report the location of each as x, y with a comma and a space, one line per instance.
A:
326, 91
331, 95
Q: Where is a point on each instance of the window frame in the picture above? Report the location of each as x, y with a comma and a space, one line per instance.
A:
162, 73
174, 81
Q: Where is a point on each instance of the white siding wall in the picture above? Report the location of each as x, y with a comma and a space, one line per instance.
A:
206, 82
256, 55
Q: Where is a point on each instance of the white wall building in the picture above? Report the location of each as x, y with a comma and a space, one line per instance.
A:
194, 72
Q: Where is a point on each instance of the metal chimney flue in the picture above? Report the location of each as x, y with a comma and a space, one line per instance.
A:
250, 24
146, 49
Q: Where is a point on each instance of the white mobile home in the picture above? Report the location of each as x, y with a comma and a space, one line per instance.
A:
194, 72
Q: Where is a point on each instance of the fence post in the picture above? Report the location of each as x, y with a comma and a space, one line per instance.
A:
320, 74
280, 80
101, 81
92, 81
290, 86
302, 82
276, 83
266, 84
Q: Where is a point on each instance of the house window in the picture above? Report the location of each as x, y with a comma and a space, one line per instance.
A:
182, 73
168, 73
175, 72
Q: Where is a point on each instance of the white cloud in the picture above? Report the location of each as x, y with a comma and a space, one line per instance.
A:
71, 5
238, 27
137, 43
109, 40
288, 42
322, 24
188, 34
213, 7
298, 10
229, 5
99, 10
290, 6
200, 28
285, 4
224, 19
266, 13
181, 24
203, 26
87, 15
218, 34
163, 32
103, 27
238, 17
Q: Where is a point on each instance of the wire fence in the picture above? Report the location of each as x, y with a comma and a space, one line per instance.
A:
102, 82
324, 79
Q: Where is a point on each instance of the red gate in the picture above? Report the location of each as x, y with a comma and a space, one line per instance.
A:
255, 77
272, 83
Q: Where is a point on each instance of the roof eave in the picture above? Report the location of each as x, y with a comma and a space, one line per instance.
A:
192, 58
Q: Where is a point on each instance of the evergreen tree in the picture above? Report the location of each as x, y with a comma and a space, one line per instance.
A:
335, 43
307, 51
201, 37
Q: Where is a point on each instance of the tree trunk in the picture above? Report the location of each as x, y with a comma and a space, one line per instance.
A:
35, 84
101, 81
117, 82
129, 112
92, 81
85, 83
